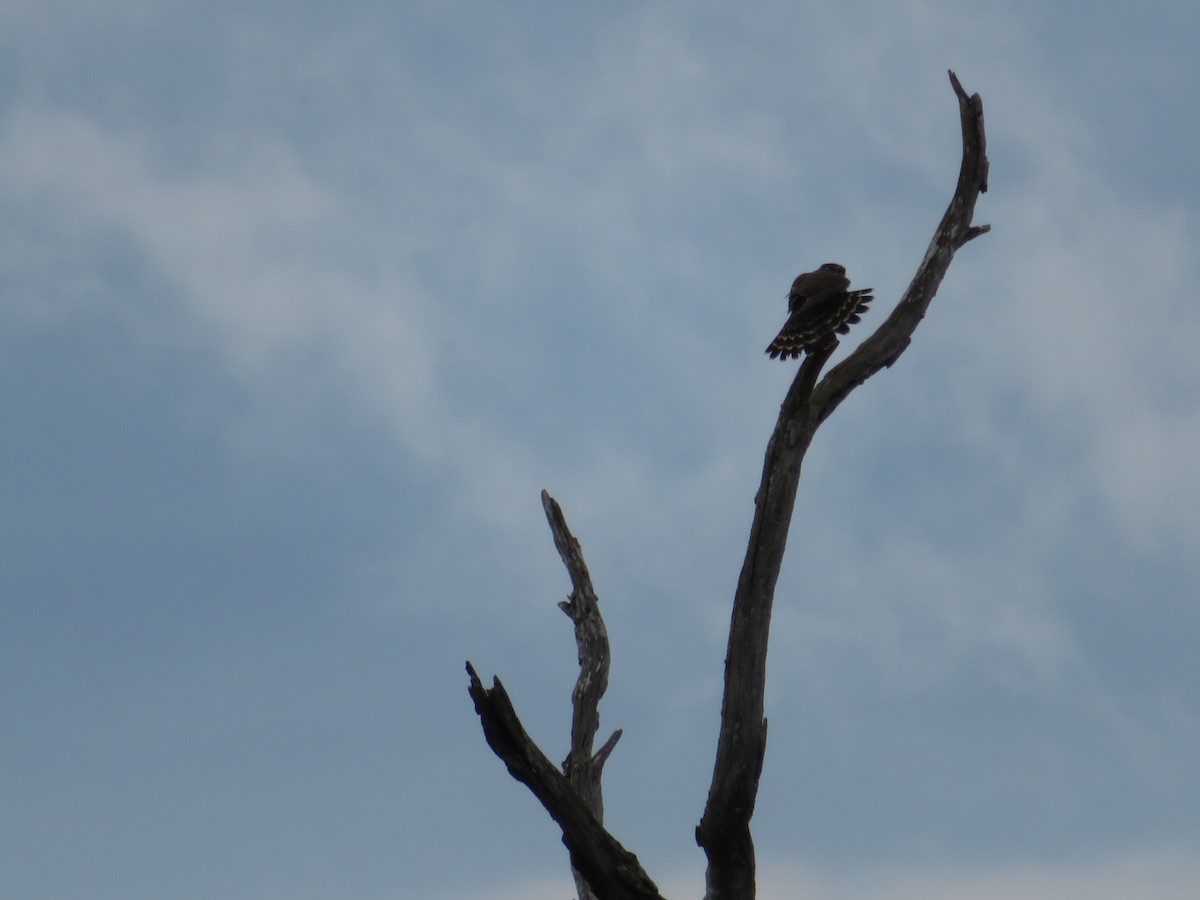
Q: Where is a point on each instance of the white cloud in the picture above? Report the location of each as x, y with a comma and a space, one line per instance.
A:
257, 258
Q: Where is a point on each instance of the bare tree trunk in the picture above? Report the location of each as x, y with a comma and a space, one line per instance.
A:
603, 868
724, 831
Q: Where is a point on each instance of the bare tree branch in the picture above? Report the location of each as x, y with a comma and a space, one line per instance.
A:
603, 868
573, 797
724, 830
611, 871
892, 337
582, 768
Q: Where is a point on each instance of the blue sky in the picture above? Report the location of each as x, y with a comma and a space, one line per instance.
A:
302, 305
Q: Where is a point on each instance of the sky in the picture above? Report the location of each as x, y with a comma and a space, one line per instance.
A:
302, 305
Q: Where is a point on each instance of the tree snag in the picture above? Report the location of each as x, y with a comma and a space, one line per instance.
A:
603, 868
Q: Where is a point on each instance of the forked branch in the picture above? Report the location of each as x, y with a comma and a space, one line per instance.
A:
724, 830
601, 866
611, 871
604, 869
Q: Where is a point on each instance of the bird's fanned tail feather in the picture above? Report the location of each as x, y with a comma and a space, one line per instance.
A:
813, 323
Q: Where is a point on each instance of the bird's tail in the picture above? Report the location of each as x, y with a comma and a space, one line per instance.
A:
813, 324
857, 306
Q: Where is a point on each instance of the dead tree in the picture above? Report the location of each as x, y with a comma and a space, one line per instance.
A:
603, 868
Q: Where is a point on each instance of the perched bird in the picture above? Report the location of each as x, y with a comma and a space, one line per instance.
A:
820, 306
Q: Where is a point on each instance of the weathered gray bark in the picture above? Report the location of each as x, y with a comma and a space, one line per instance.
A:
603, 869
601, 865
724, 831
583, 768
